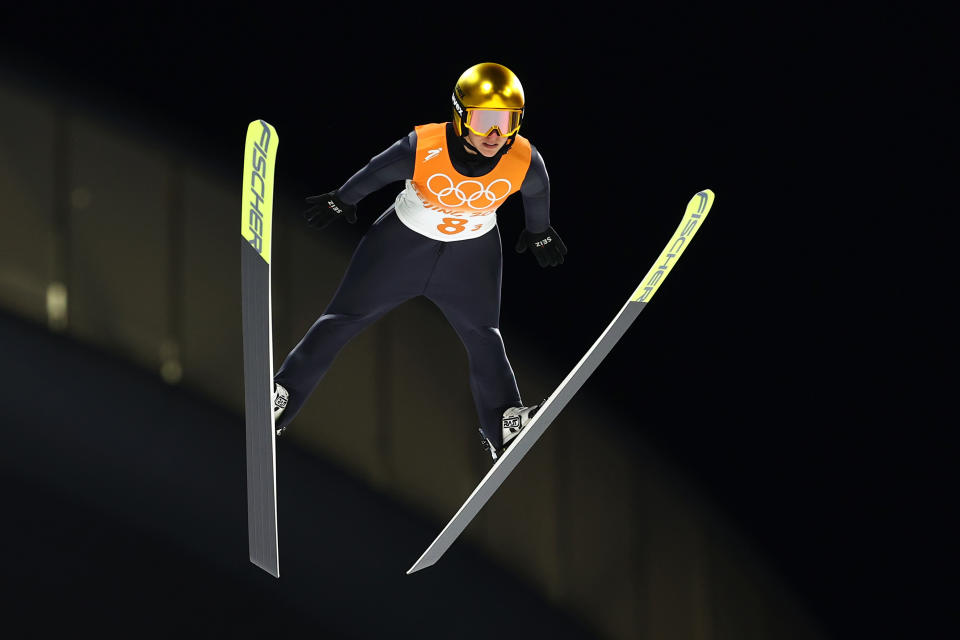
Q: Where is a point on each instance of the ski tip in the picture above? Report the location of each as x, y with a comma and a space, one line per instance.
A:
702, 201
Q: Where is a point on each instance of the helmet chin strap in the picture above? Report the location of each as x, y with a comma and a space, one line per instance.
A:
475, 150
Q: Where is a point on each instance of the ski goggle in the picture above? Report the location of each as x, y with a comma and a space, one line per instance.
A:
483, 121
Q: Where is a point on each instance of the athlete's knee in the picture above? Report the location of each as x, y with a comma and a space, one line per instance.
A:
342, 324
346, 319
330, 332
481, 338
487, 333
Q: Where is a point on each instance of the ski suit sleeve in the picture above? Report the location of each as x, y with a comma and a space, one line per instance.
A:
535, 191
395, 163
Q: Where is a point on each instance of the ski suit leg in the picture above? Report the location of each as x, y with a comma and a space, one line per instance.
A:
390, 265
466, 288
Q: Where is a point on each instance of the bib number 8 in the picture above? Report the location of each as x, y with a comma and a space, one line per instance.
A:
451, 226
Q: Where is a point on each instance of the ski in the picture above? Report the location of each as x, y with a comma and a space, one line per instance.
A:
696, 211
260, 152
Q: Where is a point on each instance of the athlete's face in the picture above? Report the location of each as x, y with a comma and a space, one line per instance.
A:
487, 145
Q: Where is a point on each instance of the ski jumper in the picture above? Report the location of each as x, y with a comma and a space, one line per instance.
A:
438, 240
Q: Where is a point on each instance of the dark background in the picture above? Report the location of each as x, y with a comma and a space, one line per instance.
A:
807, 323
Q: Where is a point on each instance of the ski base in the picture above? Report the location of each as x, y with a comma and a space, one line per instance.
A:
255, 230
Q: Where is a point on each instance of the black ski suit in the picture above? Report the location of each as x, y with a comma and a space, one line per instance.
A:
393, 263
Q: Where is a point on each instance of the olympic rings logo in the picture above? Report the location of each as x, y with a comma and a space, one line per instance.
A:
459, 192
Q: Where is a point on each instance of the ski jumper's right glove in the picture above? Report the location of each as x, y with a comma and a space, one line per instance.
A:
546, 246
326, 208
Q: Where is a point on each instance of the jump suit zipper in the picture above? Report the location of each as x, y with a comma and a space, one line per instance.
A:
443, 245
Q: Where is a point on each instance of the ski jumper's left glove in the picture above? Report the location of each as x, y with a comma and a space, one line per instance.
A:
326, 208
546, 246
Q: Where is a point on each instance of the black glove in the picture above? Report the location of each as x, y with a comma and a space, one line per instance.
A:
546, 246
326, 208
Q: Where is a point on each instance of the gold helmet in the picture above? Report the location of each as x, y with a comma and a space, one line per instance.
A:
487, 96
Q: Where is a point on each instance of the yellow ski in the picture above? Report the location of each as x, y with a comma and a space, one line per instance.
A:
256, 225
696, 212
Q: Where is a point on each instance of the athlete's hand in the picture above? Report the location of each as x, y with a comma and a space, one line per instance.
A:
326, 208
546, 246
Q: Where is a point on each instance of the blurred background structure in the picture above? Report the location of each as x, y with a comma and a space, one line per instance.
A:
709, 483
128, 247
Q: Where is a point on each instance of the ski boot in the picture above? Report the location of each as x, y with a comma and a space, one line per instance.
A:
280, 398
515, 420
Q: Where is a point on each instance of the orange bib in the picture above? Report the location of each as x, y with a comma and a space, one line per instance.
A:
441, 203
